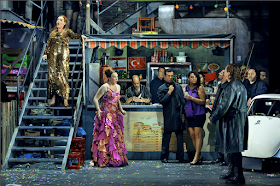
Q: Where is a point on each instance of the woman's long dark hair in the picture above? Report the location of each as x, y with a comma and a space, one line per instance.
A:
197, 76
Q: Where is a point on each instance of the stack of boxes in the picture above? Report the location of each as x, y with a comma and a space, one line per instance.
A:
8, 56
76, 158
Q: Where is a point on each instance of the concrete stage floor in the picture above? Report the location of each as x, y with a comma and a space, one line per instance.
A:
138, 172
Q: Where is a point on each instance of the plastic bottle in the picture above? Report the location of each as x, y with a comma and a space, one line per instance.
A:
124, 74
171, 58
127, 75
179, 79
120, 74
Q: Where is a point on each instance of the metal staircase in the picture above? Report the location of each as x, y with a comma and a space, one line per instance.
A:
131, 20
37, 91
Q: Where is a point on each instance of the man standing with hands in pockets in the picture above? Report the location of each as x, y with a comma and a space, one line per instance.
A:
171, 97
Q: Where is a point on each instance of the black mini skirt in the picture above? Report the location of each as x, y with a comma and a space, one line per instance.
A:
198, 121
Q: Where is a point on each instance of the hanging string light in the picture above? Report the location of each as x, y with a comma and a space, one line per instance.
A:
216, 5
191, 7
177, 6
225, 9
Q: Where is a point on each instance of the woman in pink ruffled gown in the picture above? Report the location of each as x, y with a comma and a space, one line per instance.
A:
108, 146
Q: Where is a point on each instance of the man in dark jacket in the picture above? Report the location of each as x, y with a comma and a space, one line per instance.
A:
221, 87
254, 85
270, 88
156, 83
171, 97
231, 116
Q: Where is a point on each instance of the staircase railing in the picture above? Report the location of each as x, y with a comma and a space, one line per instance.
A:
73, 92
32, 65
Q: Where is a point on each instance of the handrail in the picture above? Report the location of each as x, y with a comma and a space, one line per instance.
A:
31, 37
20, 68
140, 8
73, 92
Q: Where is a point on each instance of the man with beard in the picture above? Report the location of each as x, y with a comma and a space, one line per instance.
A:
231, 116
254, 85
171, 97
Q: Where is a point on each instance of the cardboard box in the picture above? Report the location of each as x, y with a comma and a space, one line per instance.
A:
14, 71
8, 59
32, 133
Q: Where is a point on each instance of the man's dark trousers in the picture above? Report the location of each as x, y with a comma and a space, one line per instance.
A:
165, 145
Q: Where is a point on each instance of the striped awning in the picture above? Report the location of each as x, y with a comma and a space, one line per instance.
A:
19, 23
162, 43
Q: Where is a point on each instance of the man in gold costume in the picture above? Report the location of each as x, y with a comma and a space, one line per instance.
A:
58, 54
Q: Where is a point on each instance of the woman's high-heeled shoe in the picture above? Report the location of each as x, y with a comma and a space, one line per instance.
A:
200, 159
50, 104
91, 164
196, 163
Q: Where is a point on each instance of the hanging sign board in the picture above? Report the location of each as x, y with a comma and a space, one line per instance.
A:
117, 63
137, 63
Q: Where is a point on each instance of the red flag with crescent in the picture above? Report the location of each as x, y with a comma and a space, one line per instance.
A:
136, 63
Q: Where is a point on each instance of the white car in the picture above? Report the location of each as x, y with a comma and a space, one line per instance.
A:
264, 132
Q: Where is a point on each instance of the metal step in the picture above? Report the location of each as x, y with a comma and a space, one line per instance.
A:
42, 107
44, 127
45, 98
42, 137
74, 42
35, 160
74, 55
38, 148
70, 63
46, 71
46, 88
75, 47
45, 80
46, 117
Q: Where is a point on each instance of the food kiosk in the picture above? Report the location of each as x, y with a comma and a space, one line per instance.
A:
142, 55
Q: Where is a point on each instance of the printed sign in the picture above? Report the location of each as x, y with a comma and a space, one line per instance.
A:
136, 63
117, 63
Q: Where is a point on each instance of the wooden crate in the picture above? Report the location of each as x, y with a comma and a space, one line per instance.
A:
8, 126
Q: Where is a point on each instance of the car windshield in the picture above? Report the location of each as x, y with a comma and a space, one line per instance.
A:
265, 107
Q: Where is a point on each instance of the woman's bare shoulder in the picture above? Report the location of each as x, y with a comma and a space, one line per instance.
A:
201, 87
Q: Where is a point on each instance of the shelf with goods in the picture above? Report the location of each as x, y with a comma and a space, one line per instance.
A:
129, 80
170, 63
180, 69
8, 56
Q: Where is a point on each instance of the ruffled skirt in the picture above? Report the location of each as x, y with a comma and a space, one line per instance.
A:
108, 146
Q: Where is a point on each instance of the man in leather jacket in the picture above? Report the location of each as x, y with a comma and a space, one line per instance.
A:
221, 87
231, 116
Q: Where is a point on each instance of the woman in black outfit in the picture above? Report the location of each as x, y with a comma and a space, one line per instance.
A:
195, 113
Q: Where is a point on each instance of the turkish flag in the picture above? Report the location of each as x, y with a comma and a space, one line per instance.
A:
136, 63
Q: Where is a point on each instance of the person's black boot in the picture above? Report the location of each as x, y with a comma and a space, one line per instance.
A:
229, 174
238, 179
165, 160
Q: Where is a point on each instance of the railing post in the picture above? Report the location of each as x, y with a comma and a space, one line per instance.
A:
87, 17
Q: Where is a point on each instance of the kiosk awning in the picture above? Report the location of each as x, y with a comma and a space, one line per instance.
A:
162, 41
